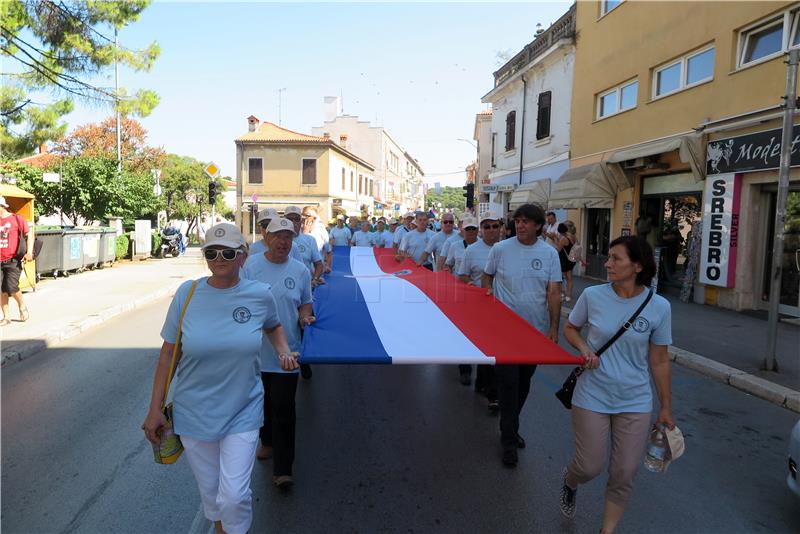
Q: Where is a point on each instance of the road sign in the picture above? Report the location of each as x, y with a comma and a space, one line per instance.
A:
51, 177
212, 170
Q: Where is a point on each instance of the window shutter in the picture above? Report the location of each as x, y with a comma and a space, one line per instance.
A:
543, 116
309, 171
511, 127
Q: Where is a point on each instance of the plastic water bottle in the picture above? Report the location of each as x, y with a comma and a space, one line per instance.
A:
656, 457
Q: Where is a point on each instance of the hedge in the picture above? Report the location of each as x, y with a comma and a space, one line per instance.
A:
123, 246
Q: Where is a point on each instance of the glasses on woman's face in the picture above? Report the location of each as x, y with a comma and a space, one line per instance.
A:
490, 226
448, 222
228, 254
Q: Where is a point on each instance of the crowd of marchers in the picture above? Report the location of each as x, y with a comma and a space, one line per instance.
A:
238, 334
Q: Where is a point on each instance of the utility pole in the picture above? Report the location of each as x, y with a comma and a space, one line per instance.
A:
116, 101
790, 103
281, 90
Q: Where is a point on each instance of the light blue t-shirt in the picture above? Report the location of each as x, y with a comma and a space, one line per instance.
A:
290, 284
622, 382
414, 243
362, 239
259, 247
455, 255
474, 260
456, 238
399, 234
521, 276
435, 245
304, 250
340, 237
383, 239
217, 388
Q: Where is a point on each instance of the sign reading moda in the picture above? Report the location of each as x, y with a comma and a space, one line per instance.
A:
752, 152
720, 230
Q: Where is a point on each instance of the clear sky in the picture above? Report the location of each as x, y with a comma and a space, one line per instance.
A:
417, 69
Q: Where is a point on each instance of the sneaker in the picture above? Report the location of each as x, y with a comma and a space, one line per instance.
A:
305, 371
510, 458
263, 452
567, 500
520, 442
283, 481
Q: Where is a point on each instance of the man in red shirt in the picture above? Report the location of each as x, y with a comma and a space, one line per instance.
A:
12, 226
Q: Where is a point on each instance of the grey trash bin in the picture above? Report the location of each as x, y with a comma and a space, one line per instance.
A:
108, 246
91, 247
62, 251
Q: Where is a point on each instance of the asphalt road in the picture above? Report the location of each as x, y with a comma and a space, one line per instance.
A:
380, 449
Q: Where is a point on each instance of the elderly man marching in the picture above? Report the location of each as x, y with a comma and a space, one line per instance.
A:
414, 242
313, 227
340, 234
435, 245
304, 247
402, 230
382, 238
524, 273
362, 237
290, 284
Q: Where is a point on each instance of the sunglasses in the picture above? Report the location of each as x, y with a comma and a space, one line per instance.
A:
490, 226
448, 222
228, 254
264, 225
471, 228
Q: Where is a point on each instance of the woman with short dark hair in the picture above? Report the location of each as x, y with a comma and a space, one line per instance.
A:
614, 397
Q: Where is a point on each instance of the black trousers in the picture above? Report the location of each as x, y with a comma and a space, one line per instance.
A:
279, 419
513, 386
465, 370
485, 379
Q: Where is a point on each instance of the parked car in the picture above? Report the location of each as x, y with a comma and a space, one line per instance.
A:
794, 457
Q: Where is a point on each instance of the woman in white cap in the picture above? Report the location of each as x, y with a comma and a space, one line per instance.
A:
217, 393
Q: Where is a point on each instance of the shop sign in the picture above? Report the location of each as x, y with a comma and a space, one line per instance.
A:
336, 202
488, 188
506, 188
753, 152
720, 230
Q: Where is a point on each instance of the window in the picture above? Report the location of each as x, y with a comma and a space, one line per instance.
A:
371, 188
351, 180
309, 171
689, 70
620, 98
543, 115
769, 38
360, 181
494, 142
608, 5
344, 184
511, 128
255, 171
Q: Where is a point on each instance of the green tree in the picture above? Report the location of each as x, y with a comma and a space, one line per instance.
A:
450, 197
59, 46
184, 188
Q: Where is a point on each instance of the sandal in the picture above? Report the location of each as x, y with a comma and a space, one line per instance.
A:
5, 322
24, 315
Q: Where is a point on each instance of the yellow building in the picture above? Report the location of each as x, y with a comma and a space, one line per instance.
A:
276, 167
667, 100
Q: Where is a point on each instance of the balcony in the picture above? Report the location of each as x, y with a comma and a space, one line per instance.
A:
563, 28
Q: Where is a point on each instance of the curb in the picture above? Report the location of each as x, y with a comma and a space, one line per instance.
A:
754, 385
26, 349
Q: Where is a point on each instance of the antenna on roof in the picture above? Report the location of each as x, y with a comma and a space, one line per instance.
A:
341, 98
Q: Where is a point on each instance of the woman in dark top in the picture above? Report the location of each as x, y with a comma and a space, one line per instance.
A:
566, 241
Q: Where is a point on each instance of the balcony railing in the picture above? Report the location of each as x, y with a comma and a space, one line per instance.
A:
563, 28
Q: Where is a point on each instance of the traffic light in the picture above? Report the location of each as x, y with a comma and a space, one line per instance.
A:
212, 192
469, 193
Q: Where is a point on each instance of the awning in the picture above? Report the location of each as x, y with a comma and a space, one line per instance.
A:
689, 147
589, 186
537, 192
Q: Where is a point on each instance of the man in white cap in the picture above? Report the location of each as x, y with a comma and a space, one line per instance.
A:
353, 224
304, 247
435, 245
455, 253
402, 230
362, 237
382, 237
313, 226
12, 229
290, 284
262, 219
340, 234
414, 242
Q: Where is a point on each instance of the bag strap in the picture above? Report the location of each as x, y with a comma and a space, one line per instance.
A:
624, 328
176, 349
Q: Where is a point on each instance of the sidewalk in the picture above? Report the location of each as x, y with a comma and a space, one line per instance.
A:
727, 338
65, 307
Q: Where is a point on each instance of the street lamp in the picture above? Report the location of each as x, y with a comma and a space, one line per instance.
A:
467, 141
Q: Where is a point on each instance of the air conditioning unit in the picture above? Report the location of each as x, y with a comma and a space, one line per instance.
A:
637, 163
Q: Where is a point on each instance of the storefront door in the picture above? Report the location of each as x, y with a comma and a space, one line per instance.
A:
790, 280
598, 234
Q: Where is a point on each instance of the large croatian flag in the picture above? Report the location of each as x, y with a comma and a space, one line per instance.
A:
374, 309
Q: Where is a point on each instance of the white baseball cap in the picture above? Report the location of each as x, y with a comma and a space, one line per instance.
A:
392, 221
267, 213
3, 202
292, 209
490, 216
469, 221
226, 235
280, 224
340, 217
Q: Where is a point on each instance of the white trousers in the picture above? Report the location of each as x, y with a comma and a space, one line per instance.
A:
223, 471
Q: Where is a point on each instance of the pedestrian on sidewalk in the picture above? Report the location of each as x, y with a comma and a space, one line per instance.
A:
523, 273
614, 397
218, 397
12, 229
566, 241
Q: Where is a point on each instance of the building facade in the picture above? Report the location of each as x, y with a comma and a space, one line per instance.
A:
675, 132
398, 176
530, 122
276, 167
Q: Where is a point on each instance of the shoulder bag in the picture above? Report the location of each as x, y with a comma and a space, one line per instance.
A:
171, 448
568, 388
22, 244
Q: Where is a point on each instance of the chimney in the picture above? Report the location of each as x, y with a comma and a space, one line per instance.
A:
343, 141
326, 136
332, 108
252, 123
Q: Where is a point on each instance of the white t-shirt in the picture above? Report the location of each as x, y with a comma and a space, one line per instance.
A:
455, 255
340, 237
550, 228
474, 260
435, 245
521, 276
320, 235
414, 243
398, 234
383, 239
456, 238
290, 284
362, 239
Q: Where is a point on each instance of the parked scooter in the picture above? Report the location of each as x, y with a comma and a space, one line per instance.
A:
170, 242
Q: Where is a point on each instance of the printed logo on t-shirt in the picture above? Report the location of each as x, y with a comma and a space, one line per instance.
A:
289, 283
641, 325
241, 315
536, 264
302, 249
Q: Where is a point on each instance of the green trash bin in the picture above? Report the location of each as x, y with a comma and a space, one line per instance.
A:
91, 247
108, 245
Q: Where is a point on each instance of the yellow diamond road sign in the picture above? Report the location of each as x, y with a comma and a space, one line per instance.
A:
212, 170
